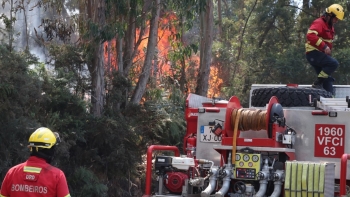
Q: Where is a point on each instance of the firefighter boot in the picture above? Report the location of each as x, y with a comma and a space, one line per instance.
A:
318, 84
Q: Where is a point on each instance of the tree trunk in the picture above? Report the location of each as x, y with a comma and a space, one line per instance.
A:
155, 69
151, 46
241, 38
108, 51
206, 42
131, 45
220, 19
96, 10
97, 82
119, 46
183, 82
25, 37
11, 26
267, 29
306, 4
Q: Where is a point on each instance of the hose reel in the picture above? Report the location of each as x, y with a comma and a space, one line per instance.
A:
257, 119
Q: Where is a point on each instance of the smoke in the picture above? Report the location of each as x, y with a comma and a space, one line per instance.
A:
28, 27
26, 16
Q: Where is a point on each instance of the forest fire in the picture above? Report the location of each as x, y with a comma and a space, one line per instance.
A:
163, 68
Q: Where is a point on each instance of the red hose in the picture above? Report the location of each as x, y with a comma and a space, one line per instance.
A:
149, 164
343, 166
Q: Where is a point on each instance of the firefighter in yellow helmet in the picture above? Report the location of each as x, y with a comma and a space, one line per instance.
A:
36, 177
318, 46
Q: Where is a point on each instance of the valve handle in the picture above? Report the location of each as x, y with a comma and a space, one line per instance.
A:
239, 187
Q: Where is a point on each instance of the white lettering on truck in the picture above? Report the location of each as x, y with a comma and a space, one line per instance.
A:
330, 141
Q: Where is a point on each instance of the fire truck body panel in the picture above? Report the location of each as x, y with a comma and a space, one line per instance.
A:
300, 151
205, 138
320, 137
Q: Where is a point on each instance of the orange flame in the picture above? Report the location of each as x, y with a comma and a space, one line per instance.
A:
162, 66
215, 82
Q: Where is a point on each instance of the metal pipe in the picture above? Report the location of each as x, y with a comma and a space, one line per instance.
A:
225, 185
160, 184
262, 189
227, 179
277, 189
343, 165
263, 176
149, 164
212, 183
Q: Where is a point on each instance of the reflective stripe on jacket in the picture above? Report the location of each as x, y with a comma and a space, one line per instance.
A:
34, 178
319, 35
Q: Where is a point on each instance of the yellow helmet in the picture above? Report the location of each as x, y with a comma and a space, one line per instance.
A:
43, 138
337, 10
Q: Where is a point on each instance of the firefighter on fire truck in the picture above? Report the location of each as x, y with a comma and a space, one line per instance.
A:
318, 46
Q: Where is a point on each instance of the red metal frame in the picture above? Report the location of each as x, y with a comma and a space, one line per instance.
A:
292, 85
232, 104
343, 166
191, 123
320, 113
149, 164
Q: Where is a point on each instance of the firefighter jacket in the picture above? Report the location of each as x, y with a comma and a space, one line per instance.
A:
319, 35
34, 178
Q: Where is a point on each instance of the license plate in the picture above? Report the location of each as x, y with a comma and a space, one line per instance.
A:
207, 135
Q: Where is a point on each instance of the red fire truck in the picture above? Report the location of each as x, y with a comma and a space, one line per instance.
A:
291, 141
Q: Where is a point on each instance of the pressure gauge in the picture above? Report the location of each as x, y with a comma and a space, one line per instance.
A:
246, 157
238, 157
241, 164
255, 158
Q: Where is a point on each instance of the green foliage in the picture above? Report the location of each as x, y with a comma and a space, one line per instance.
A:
289, 66
8, 22
15, 82
70, 65
108, 32
112, 143
92, 31
342, 75
63, 109
180, 51
19, 98
165, 123
112, 146
176, 97
8, 31
155, 94
86, 184
119, 7
5, 91
120, 86
184, 9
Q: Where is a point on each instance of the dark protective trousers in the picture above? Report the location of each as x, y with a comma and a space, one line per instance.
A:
321, 61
